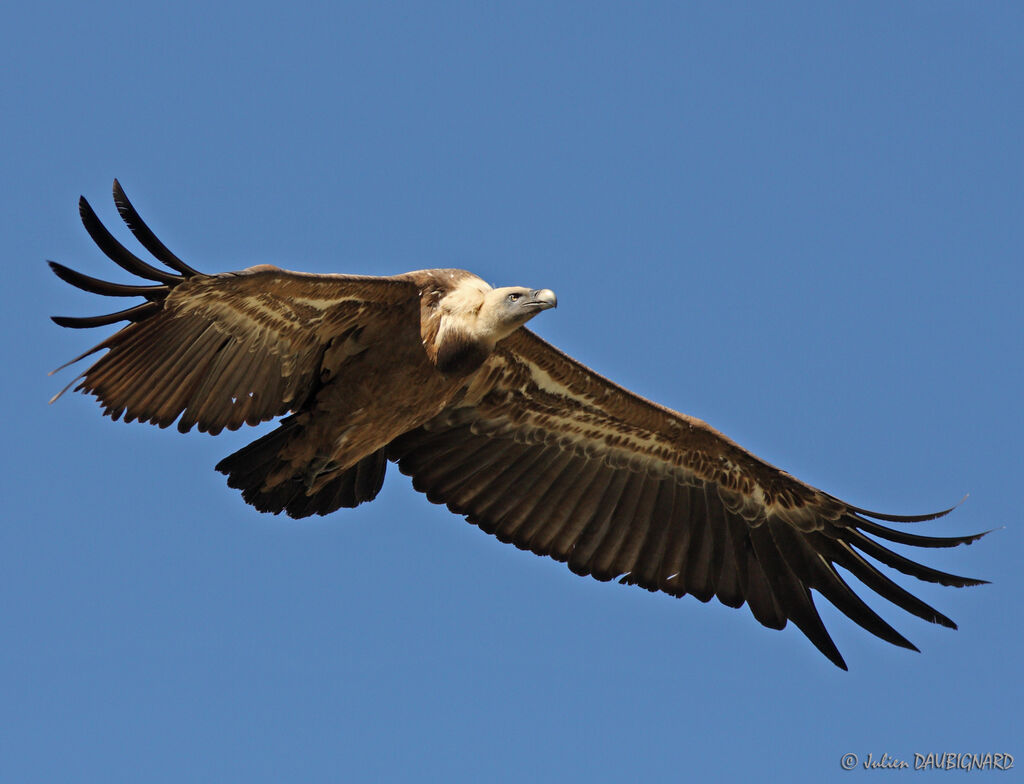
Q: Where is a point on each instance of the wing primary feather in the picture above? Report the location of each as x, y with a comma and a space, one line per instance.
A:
136, 313
792, 595
117, 252
106, 288
916, 540
845, 556
146, 236
756, 588
817, 573
891, 518
905, 565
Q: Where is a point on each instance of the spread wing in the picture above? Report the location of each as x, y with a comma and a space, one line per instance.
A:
544, 453
219, 350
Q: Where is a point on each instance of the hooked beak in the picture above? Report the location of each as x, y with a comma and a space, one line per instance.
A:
542, 299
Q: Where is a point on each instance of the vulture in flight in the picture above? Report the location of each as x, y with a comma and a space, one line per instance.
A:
434, 370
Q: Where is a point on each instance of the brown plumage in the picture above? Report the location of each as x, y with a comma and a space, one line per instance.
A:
434, 371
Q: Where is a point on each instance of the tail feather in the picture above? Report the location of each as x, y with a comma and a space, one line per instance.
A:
248, 468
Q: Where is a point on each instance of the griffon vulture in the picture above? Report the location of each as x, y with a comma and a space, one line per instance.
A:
433, 370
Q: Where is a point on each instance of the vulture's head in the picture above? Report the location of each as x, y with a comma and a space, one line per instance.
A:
473, 317
506, 309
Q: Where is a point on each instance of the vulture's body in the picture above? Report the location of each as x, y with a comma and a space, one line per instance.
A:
434, 370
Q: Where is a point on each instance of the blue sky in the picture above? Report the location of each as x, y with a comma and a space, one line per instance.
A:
801, 223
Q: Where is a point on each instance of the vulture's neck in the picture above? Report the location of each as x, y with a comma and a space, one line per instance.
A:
459, 331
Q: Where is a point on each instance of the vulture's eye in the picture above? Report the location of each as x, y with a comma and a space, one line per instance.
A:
514, 297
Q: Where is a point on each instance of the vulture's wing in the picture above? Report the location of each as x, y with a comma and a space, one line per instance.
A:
546, 454
220, 350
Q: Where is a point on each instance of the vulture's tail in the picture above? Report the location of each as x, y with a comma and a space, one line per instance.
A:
250, 467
